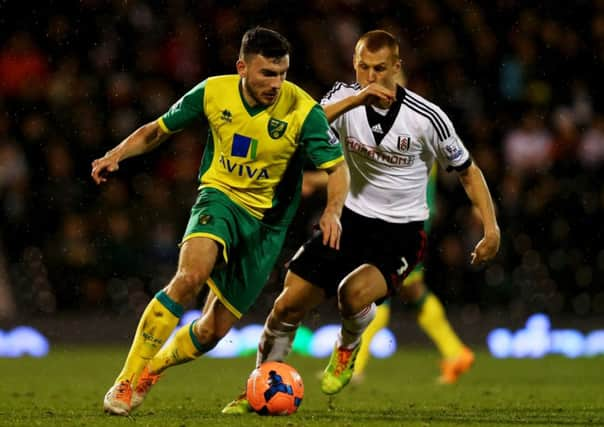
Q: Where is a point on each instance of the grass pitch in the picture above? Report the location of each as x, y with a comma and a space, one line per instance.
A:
66, 389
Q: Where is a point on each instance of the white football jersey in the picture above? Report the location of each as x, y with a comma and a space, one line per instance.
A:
390, 153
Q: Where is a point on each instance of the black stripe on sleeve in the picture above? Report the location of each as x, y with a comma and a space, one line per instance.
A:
428, 116
333, 90
437, 116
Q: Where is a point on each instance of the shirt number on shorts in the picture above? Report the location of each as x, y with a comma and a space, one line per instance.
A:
404, 267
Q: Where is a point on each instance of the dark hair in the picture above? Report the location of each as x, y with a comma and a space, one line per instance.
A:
378, 39
265, 42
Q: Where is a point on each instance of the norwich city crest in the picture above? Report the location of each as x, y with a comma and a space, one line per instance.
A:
276, 128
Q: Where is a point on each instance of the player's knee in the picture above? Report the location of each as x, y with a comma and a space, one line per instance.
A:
207, 336
351, 300
286, 311
185, 286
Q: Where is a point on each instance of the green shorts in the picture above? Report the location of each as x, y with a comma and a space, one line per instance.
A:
249, 248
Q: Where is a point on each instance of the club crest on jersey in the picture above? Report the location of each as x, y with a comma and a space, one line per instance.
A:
276, 128
404, 142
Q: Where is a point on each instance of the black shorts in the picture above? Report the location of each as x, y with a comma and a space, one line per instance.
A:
395, 249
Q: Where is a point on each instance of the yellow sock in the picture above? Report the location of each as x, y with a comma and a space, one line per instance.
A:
183, 348
382, 316
432, 320
154, 327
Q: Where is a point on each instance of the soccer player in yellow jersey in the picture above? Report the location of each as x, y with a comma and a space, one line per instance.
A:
261, 129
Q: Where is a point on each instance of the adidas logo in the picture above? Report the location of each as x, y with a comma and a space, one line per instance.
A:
377, 128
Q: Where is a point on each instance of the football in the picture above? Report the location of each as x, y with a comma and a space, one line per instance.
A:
275, 388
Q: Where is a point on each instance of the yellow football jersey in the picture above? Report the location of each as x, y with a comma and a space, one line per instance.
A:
255, 154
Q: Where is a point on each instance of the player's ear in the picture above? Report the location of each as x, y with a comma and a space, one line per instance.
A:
241, 67
398, 65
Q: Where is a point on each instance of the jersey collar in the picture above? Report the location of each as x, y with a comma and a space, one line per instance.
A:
252, 111
383, 124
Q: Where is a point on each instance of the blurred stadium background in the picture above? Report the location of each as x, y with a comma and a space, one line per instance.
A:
521, 80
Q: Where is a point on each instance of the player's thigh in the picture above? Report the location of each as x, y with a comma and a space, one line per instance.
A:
198, 255
196, 261
363, 286
298, 297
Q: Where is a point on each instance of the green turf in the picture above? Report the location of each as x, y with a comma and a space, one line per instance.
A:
66, 388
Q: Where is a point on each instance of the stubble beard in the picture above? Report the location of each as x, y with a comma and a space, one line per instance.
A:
254, 95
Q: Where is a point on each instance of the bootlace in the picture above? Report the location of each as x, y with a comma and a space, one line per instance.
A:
343, 358
123, 391
146, 381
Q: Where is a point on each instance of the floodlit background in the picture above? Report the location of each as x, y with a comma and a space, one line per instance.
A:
521, 81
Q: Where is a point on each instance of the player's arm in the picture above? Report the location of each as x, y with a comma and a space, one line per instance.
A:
477, 190
338, 182
367, 95
144, 139
147, 137
325, 151
313, 181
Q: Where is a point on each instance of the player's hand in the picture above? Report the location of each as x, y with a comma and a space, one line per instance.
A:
103, 166
487, 248
332, 229
375, 93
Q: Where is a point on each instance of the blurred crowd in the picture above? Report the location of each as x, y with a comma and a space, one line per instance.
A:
520, 80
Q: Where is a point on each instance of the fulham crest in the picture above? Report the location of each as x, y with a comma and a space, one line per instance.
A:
404, 142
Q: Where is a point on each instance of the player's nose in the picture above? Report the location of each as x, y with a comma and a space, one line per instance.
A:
276, 83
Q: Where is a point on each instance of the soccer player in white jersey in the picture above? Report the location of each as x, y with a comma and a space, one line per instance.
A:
391, 138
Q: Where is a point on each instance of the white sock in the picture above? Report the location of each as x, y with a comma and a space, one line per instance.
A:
354, 326
275, 344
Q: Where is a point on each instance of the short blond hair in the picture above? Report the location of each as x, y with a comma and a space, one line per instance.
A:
378, 39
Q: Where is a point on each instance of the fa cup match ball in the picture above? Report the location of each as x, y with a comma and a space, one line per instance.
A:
275, 388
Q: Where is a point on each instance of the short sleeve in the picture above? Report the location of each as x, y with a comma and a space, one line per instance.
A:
448, 147
321, 145
186, 110
338, 92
